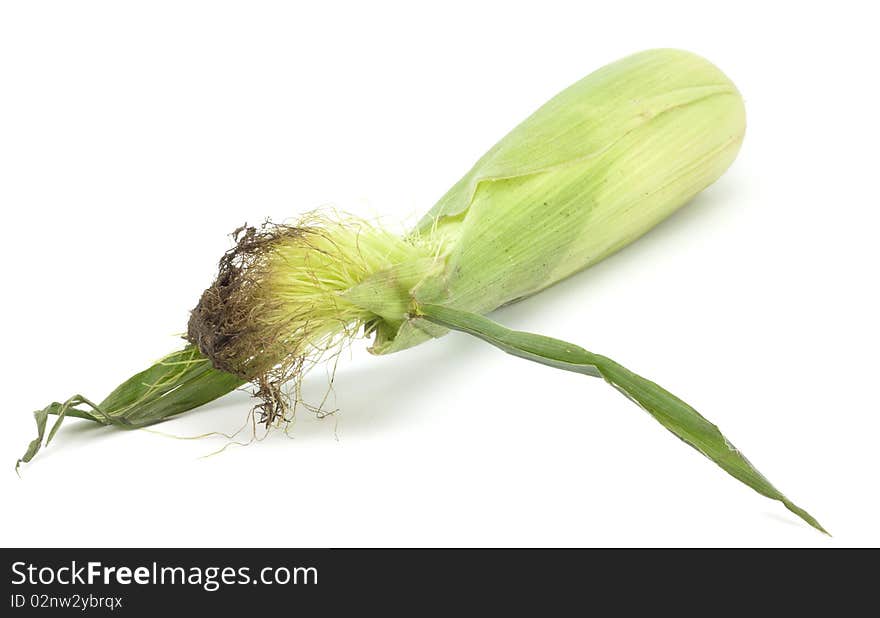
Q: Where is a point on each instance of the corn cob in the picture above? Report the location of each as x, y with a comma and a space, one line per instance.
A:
592, 170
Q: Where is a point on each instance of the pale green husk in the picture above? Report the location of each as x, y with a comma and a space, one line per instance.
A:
596, 167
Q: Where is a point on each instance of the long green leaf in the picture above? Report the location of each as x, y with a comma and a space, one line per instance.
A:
670, 411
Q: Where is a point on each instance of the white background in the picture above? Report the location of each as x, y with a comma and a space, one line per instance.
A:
135, 136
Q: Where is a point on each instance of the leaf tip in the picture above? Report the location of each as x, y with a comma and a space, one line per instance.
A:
791, 506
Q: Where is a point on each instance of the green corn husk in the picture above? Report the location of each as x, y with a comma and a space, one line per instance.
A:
596, 167
592, 170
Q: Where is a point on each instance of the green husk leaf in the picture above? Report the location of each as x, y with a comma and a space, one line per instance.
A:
179, 382
670, 411
589, 117
589, 172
